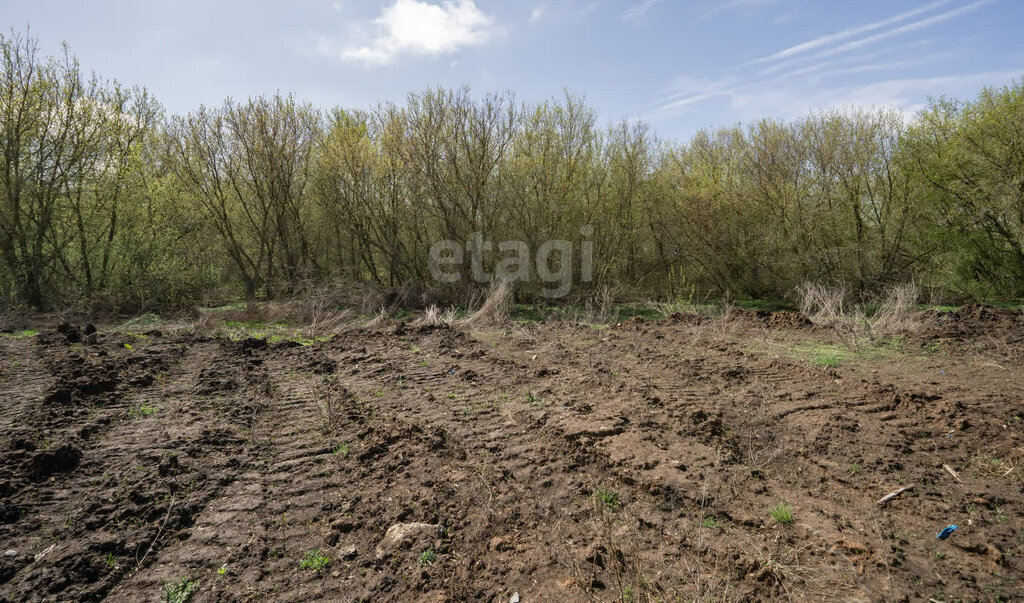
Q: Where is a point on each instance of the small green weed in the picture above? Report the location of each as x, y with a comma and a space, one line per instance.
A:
428, 557
182, 590
314, 560
709, 522
141, 410
606, 497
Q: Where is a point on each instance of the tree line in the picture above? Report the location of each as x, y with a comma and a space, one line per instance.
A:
108, 202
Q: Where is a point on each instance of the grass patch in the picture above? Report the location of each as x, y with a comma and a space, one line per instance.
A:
987, 465
23, 334
1010, 305
782, 513
526, 313
763, 304
832, 355
299, 338
826, 359
273, 332
342, 450
477, 407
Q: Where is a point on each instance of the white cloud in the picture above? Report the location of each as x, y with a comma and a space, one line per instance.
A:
721, 6
847, 33
905, 28
412, 27
537, 14
777, 99
786, 17
906, 95
837, 70
639, 11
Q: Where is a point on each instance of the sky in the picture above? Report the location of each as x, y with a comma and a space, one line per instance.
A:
680, 65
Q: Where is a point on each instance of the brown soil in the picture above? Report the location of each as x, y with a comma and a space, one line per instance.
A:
557, 461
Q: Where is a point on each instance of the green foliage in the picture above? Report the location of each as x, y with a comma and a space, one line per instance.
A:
606, 498
968, 161
314, 560
271, 197
181, 591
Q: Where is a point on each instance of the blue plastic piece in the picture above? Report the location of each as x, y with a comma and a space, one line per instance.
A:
946, 532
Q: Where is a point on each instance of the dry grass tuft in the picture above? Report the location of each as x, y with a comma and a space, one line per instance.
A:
203, 325
433, 316
381, 318
896, 313
496, 307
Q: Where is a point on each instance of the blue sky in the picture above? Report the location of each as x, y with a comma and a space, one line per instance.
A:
680, 65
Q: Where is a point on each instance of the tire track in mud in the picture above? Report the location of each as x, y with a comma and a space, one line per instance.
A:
823, 422
221, 394
578, 429
260, 527
23, 379
715, 416
52, 456
142, 448
533, 479
501, 440
478, 473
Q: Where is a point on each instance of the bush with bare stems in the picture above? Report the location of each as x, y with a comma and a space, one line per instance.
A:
831, 306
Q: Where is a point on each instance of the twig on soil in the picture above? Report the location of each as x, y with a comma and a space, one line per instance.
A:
700, 533
952, 472
158, 533
894, 494
45, 552
490, 491
885, 560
